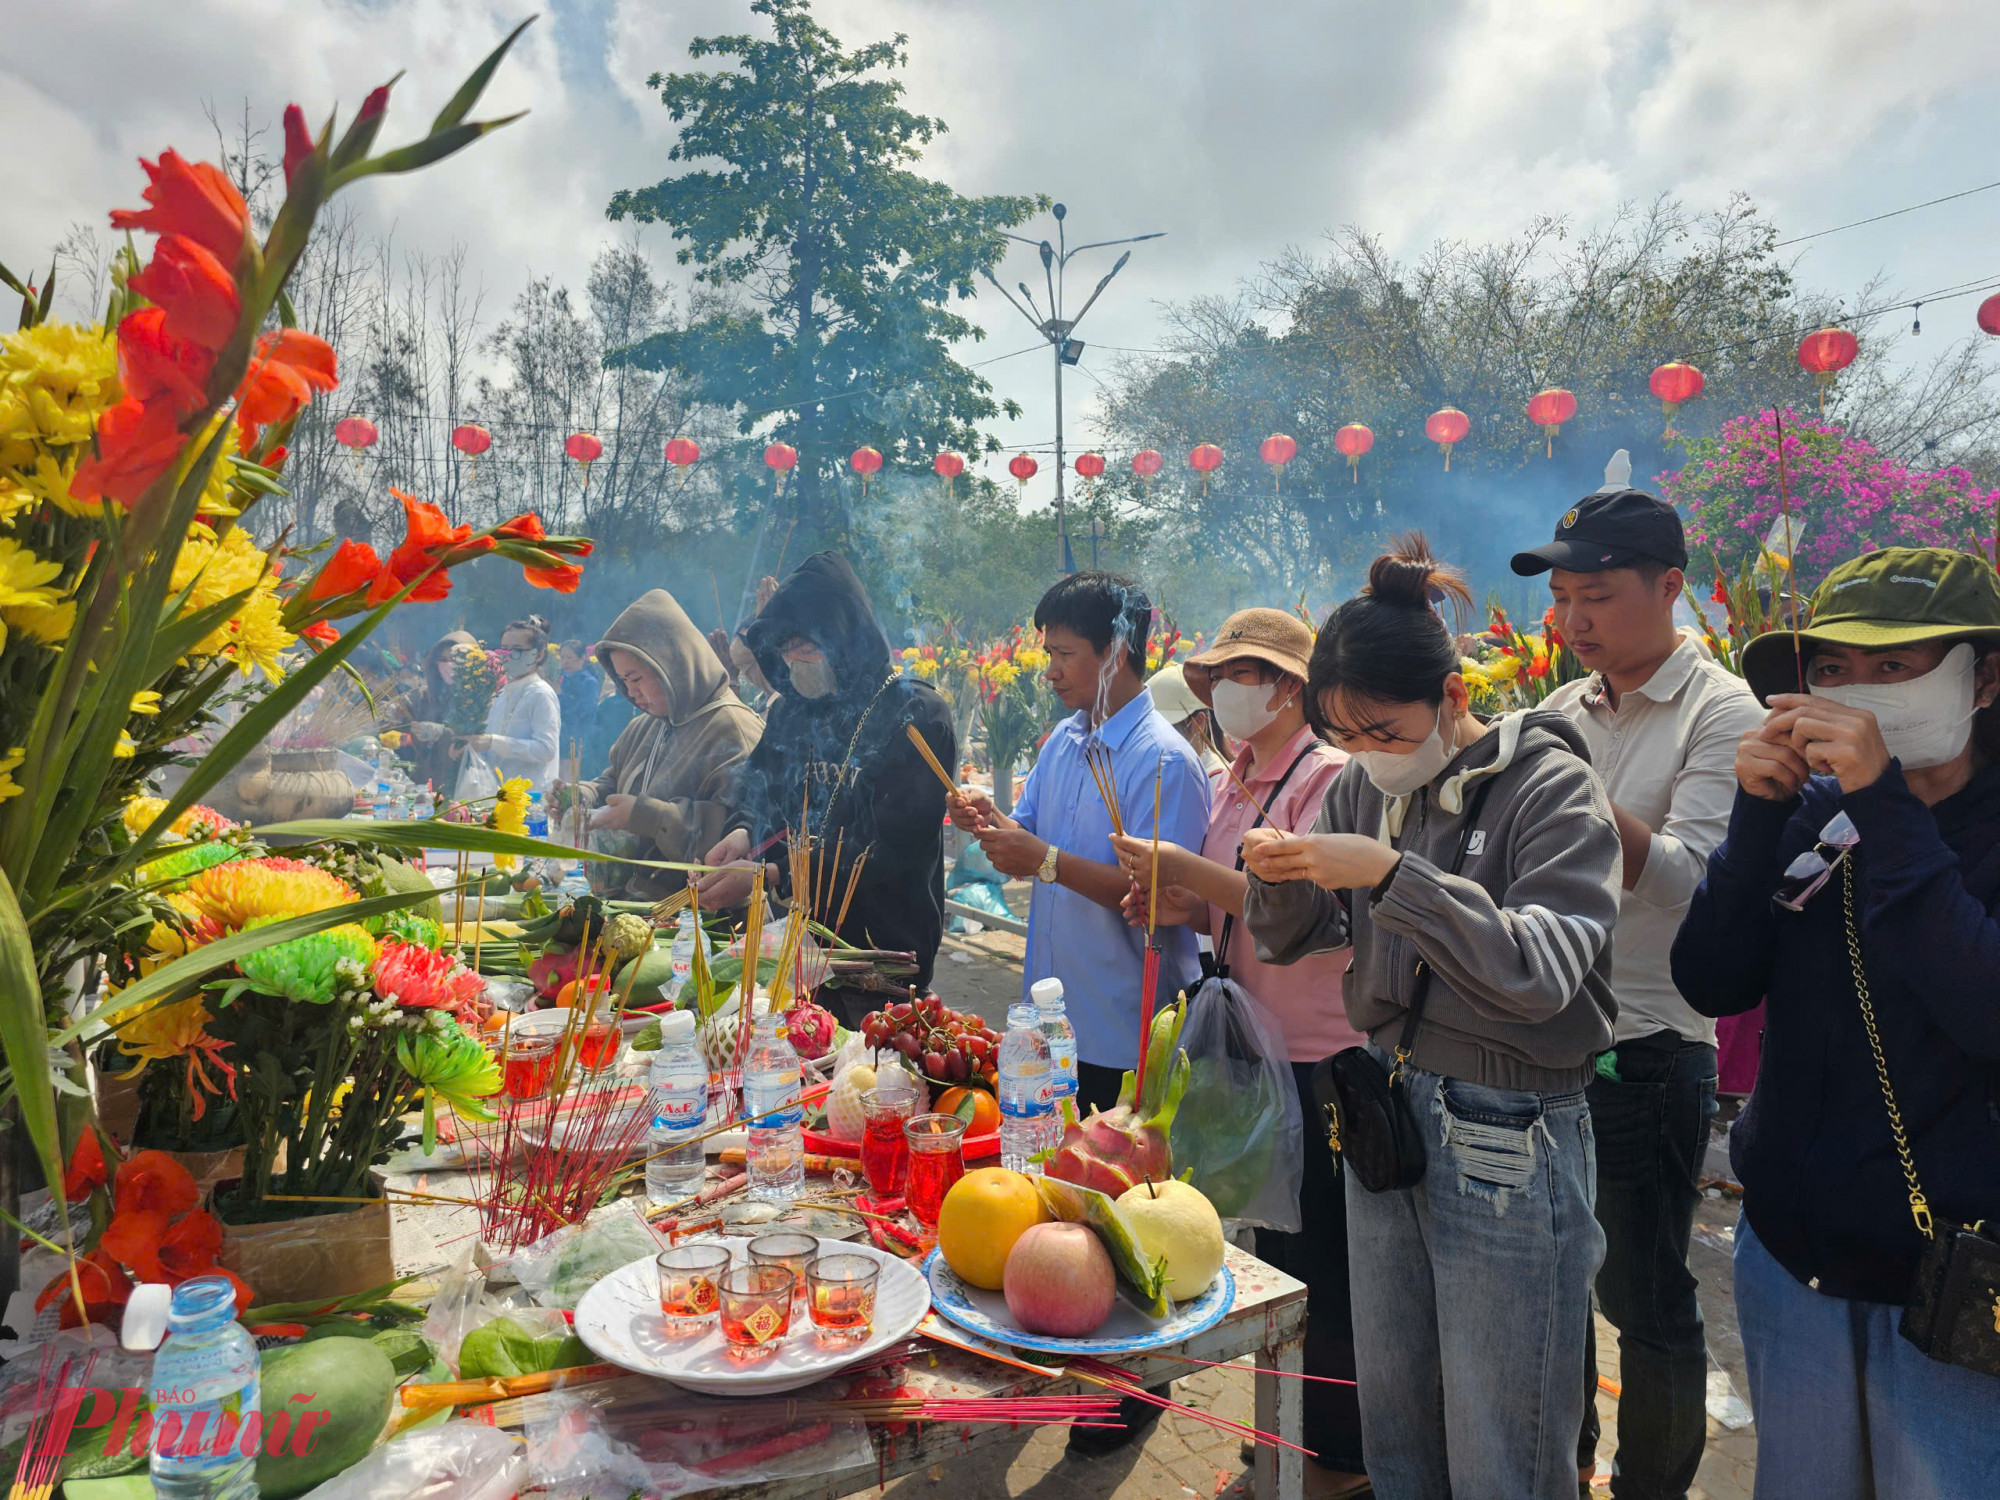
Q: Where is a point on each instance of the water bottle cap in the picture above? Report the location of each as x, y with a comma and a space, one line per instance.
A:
677, 1026
1046, 992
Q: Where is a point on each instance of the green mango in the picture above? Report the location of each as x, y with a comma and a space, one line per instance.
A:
349, 1386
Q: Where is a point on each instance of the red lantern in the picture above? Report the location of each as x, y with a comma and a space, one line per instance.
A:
865, 462
1445, 426
1205, 459
356, 433
1277, 450
1826, 353
471, 441
1548, 410
1674, 384
1090, 465
1023, 468
948, 466
586, 450
682, 452
1989, 315
1146, 463
1353, 440
781, 458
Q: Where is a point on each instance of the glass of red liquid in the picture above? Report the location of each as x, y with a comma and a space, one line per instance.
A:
689, 1294
840, 1298
885, 1155
527, 1066
936, 1162
756, 1310
597, 1045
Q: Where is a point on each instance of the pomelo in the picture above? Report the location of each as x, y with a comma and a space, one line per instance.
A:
1176, 1223
985, 1212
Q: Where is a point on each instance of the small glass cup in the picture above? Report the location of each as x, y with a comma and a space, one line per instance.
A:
756, 1310
937, 1160
527, 1066
840, 1298
787, 1248
689, 1292
598, 1044
885, 1155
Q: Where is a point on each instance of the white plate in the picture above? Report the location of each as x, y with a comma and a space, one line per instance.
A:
619, 1320
1128, 1330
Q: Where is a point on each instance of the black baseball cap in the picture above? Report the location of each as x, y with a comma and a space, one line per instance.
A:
1613, 529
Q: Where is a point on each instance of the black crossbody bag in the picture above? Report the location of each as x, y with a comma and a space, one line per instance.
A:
1953, 1312
1368, 1121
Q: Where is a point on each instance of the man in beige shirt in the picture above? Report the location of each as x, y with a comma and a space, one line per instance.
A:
1662, 721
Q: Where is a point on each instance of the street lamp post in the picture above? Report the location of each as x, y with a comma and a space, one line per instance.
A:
1096, 535
1068, 351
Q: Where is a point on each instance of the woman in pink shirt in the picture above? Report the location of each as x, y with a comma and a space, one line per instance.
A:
1253, 679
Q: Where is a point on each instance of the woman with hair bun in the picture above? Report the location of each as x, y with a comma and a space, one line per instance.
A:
524, 725
1473, 866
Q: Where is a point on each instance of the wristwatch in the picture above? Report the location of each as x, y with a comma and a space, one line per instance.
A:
1047, 873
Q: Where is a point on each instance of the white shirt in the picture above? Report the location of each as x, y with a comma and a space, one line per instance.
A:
1667, 755
525, 720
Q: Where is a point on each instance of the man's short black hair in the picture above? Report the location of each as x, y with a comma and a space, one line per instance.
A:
1100, 606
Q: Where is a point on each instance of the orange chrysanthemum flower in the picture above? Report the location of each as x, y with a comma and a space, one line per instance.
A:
235, 893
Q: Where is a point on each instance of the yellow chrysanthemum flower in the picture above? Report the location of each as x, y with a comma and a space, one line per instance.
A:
219, 568
234, 893
54, 381
50, 624
1031, 659
510, 815
9, 787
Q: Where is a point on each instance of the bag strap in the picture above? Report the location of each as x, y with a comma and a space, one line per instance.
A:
1420, 993
1221, 967
1920, 1208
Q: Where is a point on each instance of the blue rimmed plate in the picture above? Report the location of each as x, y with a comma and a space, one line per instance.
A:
1128, 1330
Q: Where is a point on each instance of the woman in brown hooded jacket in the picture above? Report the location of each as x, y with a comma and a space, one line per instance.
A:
425, 713
673, 770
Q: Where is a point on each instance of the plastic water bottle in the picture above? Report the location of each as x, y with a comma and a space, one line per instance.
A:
777, 1161
1027, 1089
679, 1081
680, 957
384, 807
1048, 997
538, 817
204, 1383
425, 805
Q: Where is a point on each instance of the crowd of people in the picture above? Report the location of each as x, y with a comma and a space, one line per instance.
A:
1495, 949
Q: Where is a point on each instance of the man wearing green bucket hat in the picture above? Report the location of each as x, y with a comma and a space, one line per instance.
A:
1856, 893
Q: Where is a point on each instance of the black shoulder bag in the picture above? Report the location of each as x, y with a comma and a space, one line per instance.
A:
1367, 1114
1215, 963
1953, 1313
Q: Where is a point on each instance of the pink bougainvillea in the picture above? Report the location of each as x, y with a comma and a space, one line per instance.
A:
1847, 497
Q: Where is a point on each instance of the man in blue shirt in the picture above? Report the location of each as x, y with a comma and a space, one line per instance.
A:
1094, 627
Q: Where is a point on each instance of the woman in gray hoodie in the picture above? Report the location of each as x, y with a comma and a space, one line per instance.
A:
1472, 1287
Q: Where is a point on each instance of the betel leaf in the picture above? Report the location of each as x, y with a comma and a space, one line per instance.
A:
1144, 1274
503, 1347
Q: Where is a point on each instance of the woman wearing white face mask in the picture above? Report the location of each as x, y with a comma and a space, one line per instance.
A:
1474, 869
1253, 679
1856, 893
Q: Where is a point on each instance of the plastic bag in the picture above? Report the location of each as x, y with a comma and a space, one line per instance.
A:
557, 1269
648, 1437
477, 780
460, 1460
1238, 1128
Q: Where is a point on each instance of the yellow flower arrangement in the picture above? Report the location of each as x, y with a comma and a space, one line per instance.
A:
25, 583
9, 787
180, 1030
510, 815
1032, 659
220, 567
55, 380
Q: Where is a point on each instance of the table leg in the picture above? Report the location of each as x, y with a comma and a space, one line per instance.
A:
1281, 1409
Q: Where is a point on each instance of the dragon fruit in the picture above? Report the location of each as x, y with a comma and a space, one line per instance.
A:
811, 1029
1113, 1151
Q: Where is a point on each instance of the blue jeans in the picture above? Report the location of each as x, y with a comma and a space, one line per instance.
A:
1651, 1124
1472, 1297
1846, 1407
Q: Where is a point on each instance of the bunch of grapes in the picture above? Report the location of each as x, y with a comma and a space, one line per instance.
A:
949, 1046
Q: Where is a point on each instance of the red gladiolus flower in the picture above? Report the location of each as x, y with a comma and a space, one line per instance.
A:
133, 1239
427, 527
136, 444
154, 1180
191, 1246
526, 527
320, 631
563, 578
194, 288
275, 459
353, 565
288, 367
406, 564
298, 140
376, 103
86, 1169
193, 199
105, 1288
1539, 667
153, 365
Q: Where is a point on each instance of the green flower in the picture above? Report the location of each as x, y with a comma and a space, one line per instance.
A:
452, 1062
413, 928
181, 864
315, 967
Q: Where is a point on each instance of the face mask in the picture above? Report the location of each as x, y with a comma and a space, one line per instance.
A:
1925, 721
1244, 709
812, 679
1398, 775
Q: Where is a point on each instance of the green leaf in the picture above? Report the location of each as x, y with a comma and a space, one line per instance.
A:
24, 1035
460, 104
432, 148
503, 1348
474, 838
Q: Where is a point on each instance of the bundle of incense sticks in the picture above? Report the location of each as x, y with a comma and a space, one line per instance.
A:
1111, 1378
930, 759
1097, 755
51, 1420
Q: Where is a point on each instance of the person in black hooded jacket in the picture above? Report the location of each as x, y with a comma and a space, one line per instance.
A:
836, 745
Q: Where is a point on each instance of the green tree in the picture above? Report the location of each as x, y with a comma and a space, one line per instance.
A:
840, 262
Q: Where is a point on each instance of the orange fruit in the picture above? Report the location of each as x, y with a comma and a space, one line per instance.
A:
983, 1214
985, 1116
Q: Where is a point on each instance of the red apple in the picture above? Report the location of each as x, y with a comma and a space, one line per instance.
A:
1059, 1281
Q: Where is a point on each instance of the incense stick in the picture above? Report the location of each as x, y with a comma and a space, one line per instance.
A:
1153, 890
931, 760
853, 880
1791, 562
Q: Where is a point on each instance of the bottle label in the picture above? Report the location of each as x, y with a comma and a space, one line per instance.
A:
198, 1377
1062, 1053
770, 1108
674, 1114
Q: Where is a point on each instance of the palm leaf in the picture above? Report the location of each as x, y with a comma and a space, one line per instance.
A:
24, 1035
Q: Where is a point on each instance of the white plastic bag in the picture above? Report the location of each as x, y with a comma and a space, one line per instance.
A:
1238, 1128
460, 1460
477, 779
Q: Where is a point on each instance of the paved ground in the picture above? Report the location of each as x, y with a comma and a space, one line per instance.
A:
1184, 1458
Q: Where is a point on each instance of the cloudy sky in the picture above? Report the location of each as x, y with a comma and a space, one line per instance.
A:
1239, 127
